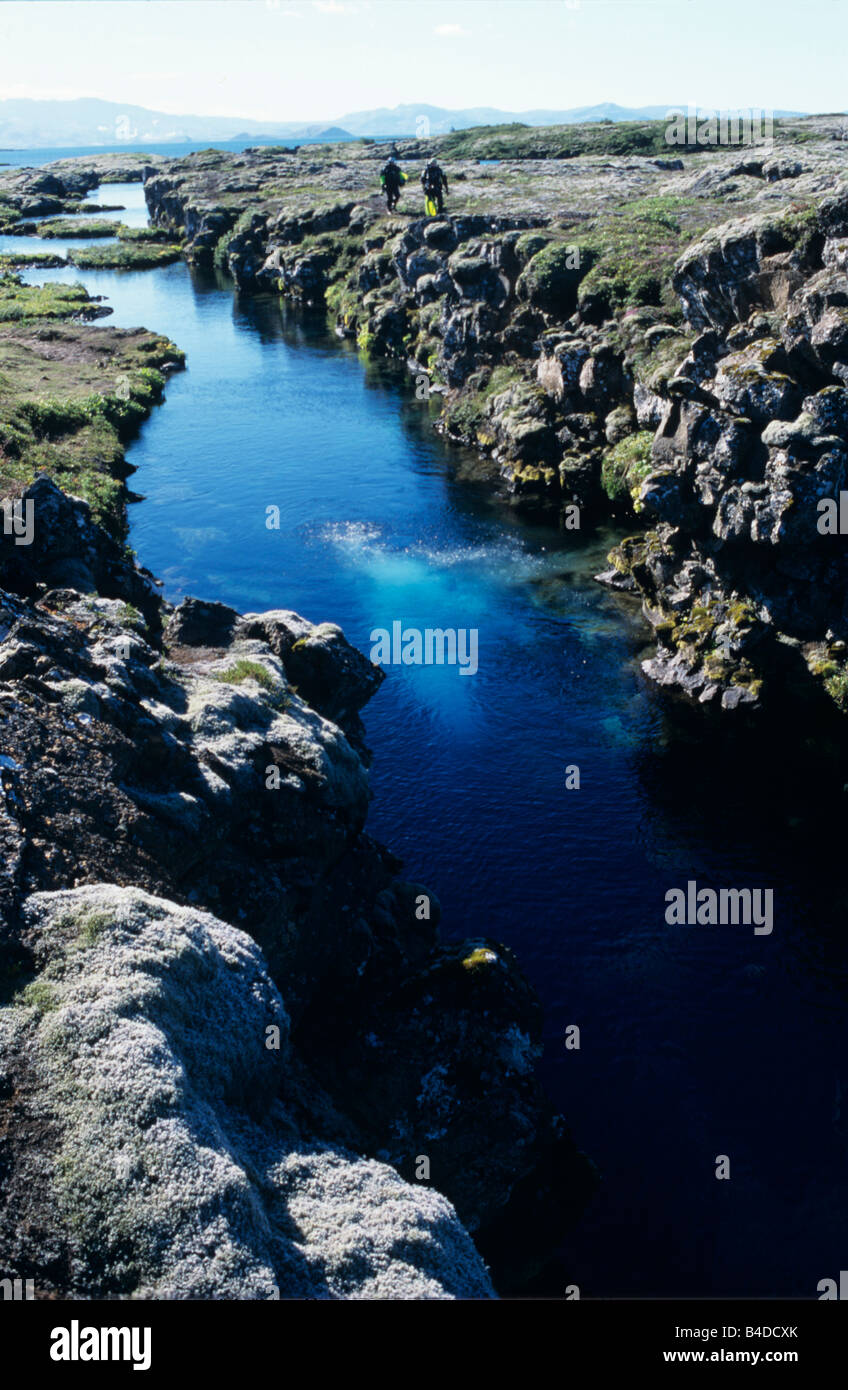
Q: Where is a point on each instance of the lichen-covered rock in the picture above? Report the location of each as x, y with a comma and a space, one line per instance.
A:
147, 1046
203, 773
755, 261
330, 674
754, 383
751, 443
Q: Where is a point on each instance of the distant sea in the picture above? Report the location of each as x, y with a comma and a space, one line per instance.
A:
32, 157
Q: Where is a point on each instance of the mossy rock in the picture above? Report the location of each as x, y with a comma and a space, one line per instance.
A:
626, 466
551, 278
529, 244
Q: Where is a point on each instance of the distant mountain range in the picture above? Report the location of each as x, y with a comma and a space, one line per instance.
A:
28, 124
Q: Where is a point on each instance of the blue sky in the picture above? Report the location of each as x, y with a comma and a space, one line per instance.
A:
316, 59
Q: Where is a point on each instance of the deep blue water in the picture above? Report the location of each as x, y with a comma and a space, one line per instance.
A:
695, 1041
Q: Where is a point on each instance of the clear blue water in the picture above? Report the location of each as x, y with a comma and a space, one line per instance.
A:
32, 158
695, 1041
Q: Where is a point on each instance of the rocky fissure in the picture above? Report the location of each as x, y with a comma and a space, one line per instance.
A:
187, 878
237, 1060
671, 351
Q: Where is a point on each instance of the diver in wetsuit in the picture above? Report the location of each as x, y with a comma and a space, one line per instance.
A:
433, 180
391, 179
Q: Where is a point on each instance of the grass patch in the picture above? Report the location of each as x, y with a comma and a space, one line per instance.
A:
518, 141
19, 302
26, 260
244, 670
68, 227
120, 256
143, 234
70, 395
626, 466
632, 250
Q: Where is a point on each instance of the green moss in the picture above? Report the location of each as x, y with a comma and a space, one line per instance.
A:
245, 670
222, 245
529, 244
92, 925
717, 666
626, 466
742, 612
466, 415
39, 994
628, 553
798, 226
695, 626
743, 676
551, 277
837, 688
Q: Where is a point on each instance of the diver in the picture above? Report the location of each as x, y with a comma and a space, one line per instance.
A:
392, 178
433, 180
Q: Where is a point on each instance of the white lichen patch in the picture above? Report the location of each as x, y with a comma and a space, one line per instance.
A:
177, 1173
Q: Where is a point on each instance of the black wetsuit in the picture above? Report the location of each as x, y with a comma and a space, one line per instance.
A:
433, 180
391, 180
